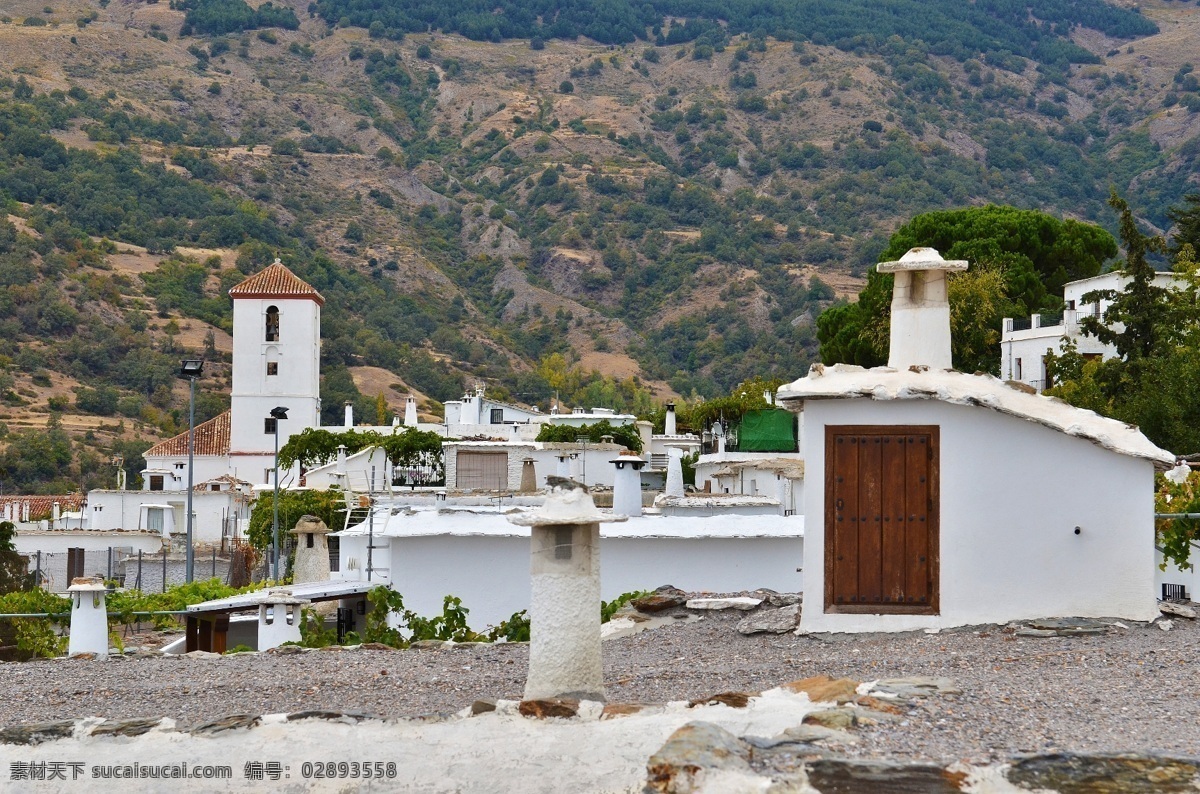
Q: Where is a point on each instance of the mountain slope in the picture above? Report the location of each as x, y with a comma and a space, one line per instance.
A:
673, 217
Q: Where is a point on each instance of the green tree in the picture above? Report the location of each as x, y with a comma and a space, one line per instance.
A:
1133, 320
1031, 256
1187, 224
1154, 382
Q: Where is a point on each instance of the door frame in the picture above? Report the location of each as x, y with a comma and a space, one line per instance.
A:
933, 520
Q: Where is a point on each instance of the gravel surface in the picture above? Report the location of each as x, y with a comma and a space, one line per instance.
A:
1130, 690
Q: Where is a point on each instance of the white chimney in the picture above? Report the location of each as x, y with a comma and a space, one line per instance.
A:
920, 309
410, 411
674, 471
55, 512
669, 422
627, 485
341, 459
349, 414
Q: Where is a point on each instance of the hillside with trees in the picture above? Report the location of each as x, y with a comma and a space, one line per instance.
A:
663, 208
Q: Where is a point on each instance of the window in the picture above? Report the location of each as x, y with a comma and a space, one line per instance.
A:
156, 482
178, 465
154, 519
272, 368
272, 324
497, 416
270, 425
1017, 375
1071, 305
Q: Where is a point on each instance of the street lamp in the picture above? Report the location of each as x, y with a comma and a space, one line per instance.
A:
278, 414
190, 370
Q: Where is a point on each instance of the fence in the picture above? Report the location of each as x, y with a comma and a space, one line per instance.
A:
134, 570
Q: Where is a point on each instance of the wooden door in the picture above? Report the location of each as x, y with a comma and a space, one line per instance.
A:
881, 519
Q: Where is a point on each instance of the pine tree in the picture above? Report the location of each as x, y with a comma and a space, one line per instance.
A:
1132, 322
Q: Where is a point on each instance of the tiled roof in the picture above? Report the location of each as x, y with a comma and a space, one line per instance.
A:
228, 480
212, 438
40, 507
276, 281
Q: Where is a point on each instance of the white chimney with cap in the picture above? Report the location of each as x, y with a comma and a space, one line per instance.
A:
669, 422
410, 411
920, 309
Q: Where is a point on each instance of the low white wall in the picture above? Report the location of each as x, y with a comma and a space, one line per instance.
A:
58, 541
1189, 577
1012, 493
491, 574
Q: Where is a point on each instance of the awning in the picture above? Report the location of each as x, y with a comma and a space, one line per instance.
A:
310, 591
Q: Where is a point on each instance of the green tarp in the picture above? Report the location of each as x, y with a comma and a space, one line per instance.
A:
770, 430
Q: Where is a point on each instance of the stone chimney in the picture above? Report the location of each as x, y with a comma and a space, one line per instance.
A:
528, 476
564, 605
920, 309
669, 422
312, 550
410, 411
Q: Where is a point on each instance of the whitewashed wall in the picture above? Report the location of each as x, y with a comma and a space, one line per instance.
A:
108, 510
491, 573
1012, 493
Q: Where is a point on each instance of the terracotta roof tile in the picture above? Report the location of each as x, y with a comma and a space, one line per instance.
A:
212, 438
276, 280
41, 507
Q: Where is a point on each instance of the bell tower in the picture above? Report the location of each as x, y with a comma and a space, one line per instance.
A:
276, 363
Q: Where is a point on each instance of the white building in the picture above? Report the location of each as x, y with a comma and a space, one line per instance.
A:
1024, 342
942, 499
276, 364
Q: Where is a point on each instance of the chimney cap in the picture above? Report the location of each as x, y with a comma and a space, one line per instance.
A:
921, 259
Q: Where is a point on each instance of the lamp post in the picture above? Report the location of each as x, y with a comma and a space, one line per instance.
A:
278, 414
190, 370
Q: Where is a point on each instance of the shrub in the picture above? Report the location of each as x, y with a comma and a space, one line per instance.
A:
566, 87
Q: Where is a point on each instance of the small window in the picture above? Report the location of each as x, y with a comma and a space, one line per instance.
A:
270, 425
308, 540
1071, 305
156, 482
272, 367
497, 416
154, 519
272, 324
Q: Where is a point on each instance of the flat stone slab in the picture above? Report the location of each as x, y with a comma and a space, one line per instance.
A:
1065, 627
771, 621
914, 687
1179, 610
1071, 773
744, 603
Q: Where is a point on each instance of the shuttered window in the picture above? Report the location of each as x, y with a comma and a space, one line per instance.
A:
482, 471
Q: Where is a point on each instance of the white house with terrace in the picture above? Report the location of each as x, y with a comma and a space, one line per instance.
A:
1024, 342
937, 498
